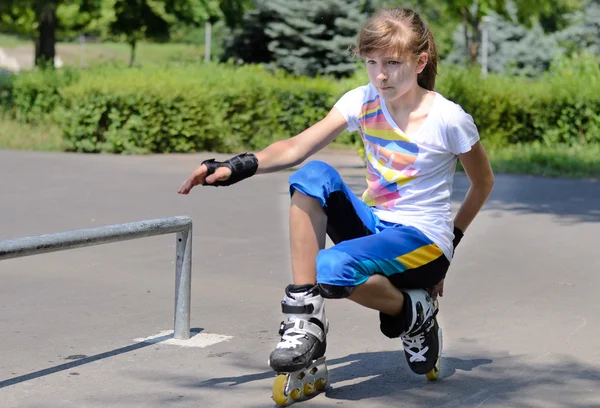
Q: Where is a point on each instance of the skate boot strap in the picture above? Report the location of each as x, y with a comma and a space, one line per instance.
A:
293, 309
424, 327
301, 327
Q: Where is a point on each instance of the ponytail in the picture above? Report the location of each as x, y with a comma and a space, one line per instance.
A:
426, 79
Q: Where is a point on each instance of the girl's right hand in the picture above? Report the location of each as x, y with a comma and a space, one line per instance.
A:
199, 177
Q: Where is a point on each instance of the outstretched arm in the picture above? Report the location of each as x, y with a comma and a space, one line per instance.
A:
279, 155
290, 152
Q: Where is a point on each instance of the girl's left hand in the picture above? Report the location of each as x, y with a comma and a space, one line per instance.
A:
437, 290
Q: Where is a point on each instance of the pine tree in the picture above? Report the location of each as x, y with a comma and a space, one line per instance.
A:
513, 49
305, 37
584, 33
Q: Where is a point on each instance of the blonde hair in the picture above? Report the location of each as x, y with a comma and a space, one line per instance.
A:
400, 31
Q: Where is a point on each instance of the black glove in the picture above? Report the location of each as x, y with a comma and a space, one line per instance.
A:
458, 234
242, 166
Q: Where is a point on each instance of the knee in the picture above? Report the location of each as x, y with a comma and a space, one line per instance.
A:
335, 292
314, 169
333, 277
317, 179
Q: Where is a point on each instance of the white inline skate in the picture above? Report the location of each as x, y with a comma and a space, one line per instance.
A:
299, 358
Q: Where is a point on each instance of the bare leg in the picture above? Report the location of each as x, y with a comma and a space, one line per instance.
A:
308, 227
378, 293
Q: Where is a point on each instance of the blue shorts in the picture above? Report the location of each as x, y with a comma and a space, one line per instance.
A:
364, 244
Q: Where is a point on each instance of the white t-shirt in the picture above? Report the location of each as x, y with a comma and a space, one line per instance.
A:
409, 176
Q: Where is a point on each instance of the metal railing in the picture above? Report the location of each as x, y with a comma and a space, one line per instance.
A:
182, 226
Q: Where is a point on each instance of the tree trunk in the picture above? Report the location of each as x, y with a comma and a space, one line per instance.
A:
133, 44
46, 40
474, 53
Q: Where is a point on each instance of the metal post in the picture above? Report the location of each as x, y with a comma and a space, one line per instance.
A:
182, 226
183, 284
207, 41
485, 20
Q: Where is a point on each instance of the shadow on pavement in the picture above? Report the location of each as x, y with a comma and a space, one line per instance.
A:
79, 360
509, 381
574, 200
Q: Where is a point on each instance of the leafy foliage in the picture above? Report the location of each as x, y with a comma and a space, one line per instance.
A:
562, 107
513, 49
312, 37
153, 19
22, 16
583, 33
188, 109
40, 20
226, 108
524, 12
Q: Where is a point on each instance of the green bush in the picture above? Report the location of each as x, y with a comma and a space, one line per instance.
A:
6, 91
561, 107
31, 96
218, 107
192, 108
556, 161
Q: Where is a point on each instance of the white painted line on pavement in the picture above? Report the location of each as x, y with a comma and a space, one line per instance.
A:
198, 340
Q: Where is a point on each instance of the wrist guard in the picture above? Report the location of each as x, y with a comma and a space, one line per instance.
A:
458, 235
242, 166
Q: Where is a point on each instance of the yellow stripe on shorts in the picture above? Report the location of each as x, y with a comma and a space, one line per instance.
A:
421, 256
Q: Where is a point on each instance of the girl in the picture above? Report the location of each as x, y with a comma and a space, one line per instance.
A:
392, 247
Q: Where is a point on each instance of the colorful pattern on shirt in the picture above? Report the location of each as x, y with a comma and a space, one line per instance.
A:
390, 156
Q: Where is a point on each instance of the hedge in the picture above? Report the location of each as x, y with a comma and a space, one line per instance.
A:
224, 108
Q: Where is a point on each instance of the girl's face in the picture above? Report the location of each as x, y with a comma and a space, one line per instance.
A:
394, 76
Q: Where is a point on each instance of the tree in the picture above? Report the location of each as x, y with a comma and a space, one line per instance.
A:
311, 37
584, 32
443, 16
527, 12
135, 20
41, 19
233, 11
513, 48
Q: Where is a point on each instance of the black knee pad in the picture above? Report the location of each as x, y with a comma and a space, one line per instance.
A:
394, 326
390, 326
335, 292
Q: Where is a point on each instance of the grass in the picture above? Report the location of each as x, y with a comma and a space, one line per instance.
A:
11, 41
534, 159
76, 54
19, 136
553, 161
146, 53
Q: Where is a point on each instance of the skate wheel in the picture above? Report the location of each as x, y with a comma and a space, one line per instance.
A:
321, 383
308, 389
296, 394
434, 373
279, 385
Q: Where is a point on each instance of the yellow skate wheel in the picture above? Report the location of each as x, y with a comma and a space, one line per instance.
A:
321, 383
434, 373
279, 385
308, 389
296, 394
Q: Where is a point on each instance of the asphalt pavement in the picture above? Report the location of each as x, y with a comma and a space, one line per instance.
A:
520, 313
